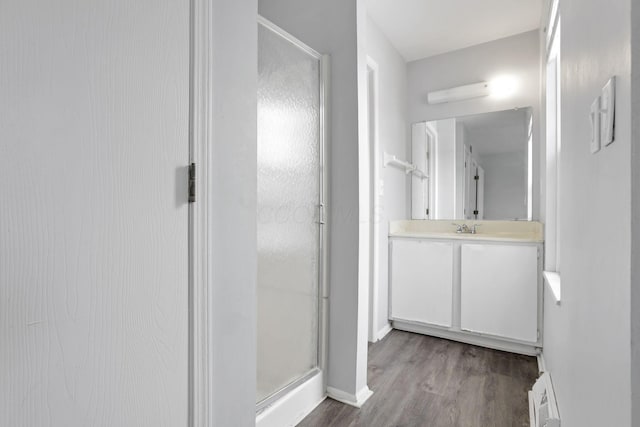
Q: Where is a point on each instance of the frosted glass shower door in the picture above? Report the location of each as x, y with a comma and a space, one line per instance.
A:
289, 198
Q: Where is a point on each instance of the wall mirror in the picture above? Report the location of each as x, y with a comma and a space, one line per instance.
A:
473, 167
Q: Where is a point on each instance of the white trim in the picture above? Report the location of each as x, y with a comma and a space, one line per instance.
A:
542, 364
384, 331
273, 398
295, 405
553, 281
289, 37
325, 135
504, 344
553, 153
552, 21
201, 97
355, 400
374, 159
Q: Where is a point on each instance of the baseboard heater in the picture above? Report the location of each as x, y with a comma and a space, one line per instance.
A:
543, 408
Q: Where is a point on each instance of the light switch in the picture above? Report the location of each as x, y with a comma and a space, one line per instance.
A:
595, 126
608, 113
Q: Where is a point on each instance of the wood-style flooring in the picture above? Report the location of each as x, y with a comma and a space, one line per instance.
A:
425, 381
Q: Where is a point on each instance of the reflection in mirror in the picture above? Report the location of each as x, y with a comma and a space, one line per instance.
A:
473, 167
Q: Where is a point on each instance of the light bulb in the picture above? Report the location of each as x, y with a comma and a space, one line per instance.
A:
503, 87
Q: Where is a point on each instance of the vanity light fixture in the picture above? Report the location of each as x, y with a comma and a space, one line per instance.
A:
460, 93
503, 86
500, 88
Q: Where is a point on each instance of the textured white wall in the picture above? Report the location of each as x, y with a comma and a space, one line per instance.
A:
392, 135
587, 338
517, 56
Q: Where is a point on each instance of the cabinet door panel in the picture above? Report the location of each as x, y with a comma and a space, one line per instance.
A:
421, 281
499, 290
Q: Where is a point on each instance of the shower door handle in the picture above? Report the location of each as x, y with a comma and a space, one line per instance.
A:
321, 220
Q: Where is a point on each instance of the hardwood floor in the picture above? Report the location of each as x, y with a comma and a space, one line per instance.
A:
425, 381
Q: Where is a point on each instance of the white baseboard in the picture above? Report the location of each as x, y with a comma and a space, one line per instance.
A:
542, 365
469, 338
384, 331
295, 405
356, 400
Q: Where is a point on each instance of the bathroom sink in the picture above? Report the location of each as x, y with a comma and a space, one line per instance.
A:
511, 231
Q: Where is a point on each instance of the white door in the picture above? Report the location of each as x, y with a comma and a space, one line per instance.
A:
422, 281
94, 128
290, 196
499, 290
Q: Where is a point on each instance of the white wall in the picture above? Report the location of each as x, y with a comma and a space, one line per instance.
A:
330, 27
587, 338
517, 55
392, 136
233, 259
505, 187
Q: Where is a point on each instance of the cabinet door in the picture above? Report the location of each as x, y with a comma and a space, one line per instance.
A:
421, 281
499, 290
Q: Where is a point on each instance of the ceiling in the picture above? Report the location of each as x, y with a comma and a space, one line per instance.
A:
423, 28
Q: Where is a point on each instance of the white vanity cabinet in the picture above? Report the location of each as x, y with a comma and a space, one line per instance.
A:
499, 290
483, 290
422, 276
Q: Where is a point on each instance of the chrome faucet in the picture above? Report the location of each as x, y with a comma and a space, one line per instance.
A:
464, 228
461, 228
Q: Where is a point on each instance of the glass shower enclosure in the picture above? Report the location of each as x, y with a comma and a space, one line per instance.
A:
291, 225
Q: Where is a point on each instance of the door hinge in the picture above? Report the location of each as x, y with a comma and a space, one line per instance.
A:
477, 177
192, 183
321, 220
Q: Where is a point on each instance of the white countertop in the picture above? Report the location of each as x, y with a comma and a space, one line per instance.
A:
496, 231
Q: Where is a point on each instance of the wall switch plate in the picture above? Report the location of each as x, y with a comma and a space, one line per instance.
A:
595, 126
608, 112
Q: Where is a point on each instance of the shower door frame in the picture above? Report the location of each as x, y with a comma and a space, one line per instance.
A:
323, 222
